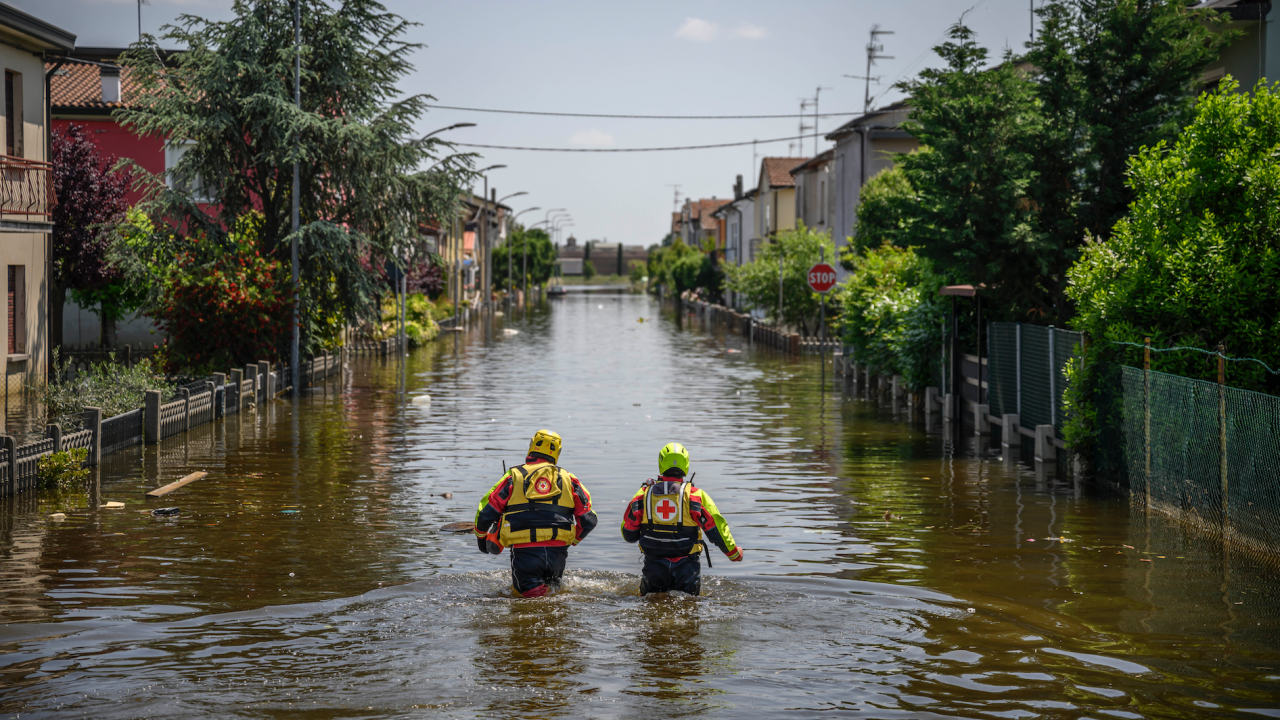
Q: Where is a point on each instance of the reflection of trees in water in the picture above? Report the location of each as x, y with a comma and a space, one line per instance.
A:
674, 655
529, 658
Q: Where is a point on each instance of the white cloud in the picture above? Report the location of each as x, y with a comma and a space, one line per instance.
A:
750, 32
592, 138
698, 30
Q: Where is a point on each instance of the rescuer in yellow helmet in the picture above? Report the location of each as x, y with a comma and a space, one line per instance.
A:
668, 517
538, 509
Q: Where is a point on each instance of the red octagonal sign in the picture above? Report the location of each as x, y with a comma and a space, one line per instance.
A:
822, 277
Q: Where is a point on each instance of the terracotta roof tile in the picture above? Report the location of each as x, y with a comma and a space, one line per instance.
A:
80, 87
779, 170
704, 208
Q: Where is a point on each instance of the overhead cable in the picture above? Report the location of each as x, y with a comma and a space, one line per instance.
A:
790, 116
633, 150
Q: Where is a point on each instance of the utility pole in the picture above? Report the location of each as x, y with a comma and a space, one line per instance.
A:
1032, 3
297, 189
873, 54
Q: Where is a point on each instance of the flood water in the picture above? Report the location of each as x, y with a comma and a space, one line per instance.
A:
307, 575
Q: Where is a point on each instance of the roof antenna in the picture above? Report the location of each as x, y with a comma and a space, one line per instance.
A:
873, 50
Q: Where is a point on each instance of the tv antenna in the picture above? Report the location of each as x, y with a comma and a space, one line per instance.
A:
874, 48
675, 201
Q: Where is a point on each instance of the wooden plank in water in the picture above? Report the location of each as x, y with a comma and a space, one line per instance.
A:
177, 484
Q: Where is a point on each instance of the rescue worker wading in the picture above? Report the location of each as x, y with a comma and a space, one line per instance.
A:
538, 509
668, 517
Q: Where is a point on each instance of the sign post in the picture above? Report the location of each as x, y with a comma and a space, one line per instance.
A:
822, 277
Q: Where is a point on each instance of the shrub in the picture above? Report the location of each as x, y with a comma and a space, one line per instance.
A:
63, 470
588, 269
225, 313
1195, 261
892, 313
114, 388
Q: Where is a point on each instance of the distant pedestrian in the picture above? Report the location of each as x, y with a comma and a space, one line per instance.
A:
668, 517
538, 509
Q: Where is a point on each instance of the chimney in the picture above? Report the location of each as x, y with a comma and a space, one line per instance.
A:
110, 76
737, 189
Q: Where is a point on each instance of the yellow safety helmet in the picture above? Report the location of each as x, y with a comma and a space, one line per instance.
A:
673, 455
546, 442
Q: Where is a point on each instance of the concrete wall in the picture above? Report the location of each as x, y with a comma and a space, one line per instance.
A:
81, 329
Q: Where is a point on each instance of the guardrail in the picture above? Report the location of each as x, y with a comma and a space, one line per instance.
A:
26, 188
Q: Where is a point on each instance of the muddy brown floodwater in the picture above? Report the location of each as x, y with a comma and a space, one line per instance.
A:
306, 576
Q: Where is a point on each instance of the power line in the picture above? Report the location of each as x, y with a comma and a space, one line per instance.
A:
632, 150
636, 117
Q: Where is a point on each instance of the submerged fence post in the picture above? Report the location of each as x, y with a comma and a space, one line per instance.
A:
237, 378
1146, 415
8, 443
186, 408
53, 432
1222, 440
152, 417
1010, 438
93, 421
264, 372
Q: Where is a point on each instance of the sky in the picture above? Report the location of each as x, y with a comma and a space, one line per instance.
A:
653, 58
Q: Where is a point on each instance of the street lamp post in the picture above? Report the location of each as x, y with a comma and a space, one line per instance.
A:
457, 262
487, 270
518, 194
524, 251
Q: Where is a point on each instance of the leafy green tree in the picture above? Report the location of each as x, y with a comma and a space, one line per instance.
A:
789, 257
228, 100
542, 257
973, 217
892, 313
885, 211
588, 269
1113, 77
1194, 263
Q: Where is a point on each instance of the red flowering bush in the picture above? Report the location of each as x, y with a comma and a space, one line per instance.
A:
224, 313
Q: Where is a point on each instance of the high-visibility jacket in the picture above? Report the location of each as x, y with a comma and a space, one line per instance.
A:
668, 517
536, 504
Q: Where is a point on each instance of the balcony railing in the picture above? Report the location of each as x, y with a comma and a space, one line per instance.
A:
26, 189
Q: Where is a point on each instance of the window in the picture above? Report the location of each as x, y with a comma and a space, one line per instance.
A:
17, 309
173, 154
13, 113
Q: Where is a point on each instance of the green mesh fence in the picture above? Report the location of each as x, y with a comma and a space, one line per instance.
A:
1205, 453
1027, 371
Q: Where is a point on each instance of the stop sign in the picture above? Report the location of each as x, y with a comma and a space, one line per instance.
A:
822, 277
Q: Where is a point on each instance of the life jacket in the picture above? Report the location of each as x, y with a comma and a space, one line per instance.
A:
669, 529
540, 507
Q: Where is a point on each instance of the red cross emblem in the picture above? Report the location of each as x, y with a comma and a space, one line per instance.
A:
666, 509
543, 486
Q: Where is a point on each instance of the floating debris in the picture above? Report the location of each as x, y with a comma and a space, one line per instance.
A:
113, 505
457, 527
166, 512
420, 400
447, 495
510, 331
58, 517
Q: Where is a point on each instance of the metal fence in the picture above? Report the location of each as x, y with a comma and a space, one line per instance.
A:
196, 404
1027, 367
1202, 452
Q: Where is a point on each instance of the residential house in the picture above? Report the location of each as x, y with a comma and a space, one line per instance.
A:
1255, 54
741, 243
697, 223
607, 258
26, 193
775, 204
864, 146
815, 192
86, 86
462, 245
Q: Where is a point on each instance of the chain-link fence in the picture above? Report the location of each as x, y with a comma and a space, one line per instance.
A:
1205, 453
1027, 371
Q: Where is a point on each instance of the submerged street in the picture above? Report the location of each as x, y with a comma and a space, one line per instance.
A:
885, 574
